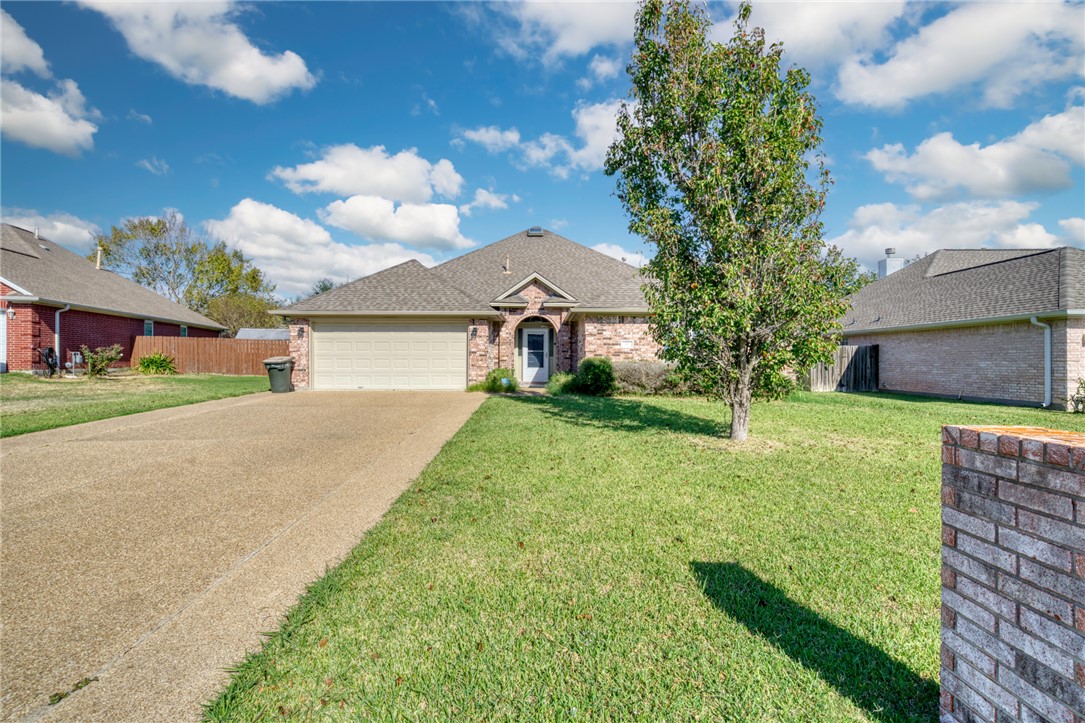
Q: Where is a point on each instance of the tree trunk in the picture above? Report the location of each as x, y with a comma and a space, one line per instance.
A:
740, 415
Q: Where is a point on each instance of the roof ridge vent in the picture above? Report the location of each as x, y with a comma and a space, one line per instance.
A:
535, 231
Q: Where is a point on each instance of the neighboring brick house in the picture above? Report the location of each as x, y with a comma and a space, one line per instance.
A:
51, 297
535, 302
991, 325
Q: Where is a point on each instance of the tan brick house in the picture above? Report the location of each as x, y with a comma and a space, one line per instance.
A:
535, 302
993, 325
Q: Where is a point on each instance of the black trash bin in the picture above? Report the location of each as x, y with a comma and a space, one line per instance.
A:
278, 371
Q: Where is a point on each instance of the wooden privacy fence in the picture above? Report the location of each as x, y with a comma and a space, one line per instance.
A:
855, 369
194, 355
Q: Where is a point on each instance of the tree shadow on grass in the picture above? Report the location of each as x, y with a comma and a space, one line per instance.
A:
623, 414
885, 688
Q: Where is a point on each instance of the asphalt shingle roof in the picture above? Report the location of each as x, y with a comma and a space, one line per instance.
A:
53, 273
409, 287
967, 285
594, 279
469, 283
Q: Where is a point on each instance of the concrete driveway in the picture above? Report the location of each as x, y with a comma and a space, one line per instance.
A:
150, 551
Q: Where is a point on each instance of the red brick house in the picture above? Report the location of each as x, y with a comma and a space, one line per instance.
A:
535, 302
990, 325
51, 297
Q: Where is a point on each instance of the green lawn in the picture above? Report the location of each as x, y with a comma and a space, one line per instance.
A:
571, 558
30, 404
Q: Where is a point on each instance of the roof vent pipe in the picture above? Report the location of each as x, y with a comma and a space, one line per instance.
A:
508, 266
98, 264
36, 233
890, 251
1047, 359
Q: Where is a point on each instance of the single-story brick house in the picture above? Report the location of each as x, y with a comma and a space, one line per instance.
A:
535, 302
992, 325
51, 297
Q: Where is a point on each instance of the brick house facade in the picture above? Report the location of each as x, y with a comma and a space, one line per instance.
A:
972, 325
589, 305
96, 307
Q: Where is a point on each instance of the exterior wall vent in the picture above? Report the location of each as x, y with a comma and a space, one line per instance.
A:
535, 231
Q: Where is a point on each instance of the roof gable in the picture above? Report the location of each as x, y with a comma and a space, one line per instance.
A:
539, 279
53, 274
595, 280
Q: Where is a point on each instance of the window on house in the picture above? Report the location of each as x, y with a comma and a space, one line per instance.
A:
184, 330
148, 328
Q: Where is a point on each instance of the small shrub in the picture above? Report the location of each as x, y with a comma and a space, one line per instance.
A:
157, 363
595, 377
494, 384
641, 377
98, 361
561, 383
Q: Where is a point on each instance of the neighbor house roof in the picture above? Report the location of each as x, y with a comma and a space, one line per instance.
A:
474, 283
43, 272
962, 287
269, 334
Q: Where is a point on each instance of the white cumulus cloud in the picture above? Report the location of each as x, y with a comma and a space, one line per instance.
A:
1036, 159
200, 44
1073, 231
57, 121
17, 51
487, 199
348, 170
428, 225
493, 139
818, 34
1003, 49
295, 252
62, 228
911, 230
615, 251
595, 128
551, 31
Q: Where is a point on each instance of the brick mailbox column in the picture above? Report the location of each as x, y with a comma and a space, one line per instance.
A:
1013, 574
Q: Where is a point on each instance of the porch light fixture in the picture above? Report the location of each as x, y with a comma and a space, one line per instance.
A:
474, 332
301, 332
11, 312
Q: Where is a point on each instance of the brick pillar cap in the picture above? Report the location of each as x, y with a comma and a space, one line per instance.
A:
1040, 434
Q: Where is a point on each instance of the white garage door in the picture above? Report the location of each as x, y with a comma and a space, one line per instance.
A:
390, 355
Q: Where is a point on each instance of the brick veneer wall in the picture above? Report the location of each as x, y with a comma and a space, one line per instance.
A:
299, 350
32, 327
1013, 575
1002, 362
603, 336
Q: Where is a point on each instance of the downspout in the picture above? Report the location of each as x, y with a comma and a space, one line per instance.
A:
1047, 359
56, 335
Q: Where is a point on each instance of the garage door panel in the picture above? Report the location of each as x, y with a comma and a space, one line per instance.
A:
399, 355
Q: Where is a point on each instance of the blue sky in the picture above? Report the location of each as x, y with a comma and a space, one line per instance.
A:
335, 139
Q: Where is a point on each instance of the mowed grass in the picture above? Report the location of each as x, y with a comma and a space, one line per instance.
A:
614, 559
30, 404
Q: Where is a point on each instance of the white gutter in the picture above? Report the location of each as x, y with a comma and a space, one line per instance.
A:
56, 333
15, 299
962, 323
1047, 359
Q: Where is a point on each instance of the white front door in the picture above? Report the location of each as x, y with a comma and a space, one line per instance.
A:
535, 362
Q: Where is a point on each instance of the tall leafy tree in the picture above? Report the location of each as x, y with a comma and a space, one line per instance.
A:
164, 254
240, 311
717, 166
